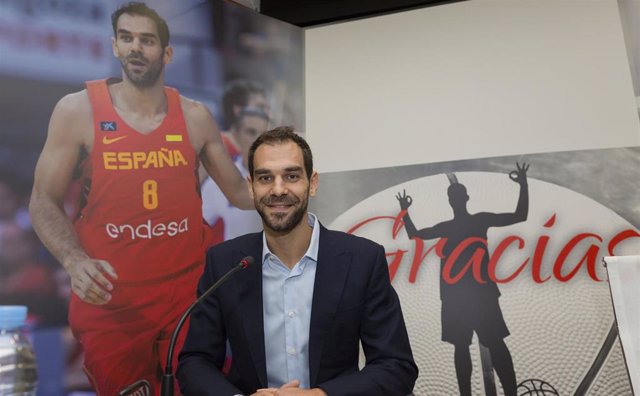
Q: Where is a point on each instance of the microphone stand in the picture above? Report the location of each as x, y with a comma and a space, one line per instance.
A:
166, 388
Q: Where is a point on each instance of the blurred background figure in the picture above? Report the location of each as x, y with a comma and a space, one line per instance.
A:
25, 279
13, 201
27, 274
226, 220
238, 95
265, 50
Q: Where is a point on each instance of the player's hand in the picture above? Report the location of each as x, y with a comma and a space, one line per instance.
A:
90, 279
404, 200
520, 174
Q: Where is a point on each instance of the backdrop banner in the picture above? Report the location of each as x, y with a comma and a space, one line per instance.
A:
504, 260
624, 277
224, 55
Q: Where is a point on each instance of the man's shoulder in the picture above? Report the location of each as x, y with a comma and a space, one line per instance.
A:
339, 248
74, 103
201, 126
347, 240
193, 108
72, 116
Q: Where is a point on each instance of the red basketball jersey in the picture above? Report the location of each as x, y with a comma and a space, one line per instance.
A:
232, 149
143, 209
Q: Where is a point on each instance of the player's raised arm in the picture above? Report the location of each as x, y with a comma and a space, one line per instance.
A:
206, 140
405, 202
522, 207
53, 173
520, 177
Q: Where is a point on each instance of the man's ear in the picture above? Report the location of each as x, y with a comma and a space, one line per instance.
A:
250, 186
168, 55
313, 184
113, 47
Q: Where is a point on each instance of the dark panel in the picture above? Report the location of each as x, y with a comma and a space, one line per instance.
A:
314, 12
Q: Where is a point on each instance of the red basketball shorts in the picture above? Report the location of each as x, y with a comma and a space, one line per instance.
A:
125, 341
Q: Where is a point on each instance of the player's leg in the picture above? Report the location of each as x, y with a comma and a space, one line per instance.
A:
118, 349
457, 331
180, 295
503, 364
462, 360
492, 331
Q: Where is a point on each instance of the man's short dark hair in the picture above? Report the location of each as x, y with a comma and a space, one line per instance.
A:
281, 135
236, 93
141, 9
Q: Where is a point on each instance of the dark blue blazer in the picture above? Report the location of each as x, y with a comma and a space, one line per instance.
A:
353, 302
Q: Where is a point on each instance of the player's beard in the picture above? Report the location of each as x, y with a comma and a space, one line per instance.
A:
149, 77
282, 222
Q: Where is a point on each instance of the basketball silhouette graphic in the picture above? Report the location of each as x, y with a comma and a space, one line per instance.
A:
559, 320
534, 387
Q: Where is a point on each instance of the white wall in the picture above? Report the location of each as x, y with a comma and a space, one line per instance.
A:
469, 80
630, 17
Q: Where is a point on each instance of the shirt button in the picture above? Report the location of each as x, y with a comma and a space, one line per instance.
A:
292, 314
291, 351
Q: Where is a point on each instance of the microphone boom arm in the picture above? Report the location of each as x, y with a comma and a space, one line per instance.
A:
167, 378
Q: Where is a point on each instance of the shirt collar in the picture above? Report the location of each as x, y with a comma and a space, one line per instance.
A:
312, 250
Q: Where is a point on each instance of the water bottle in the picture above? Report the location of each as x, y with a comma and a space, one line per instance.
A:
18, 375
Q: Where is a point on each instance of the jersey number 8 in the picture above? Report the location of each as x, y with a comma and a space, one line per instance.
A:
150, 194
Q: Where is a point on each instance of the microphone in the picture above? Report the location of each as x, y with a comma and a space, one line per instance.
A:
167, 378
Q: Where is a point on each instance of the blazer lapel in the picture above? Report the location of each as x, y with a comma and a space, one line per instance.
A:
251, 306
331, 274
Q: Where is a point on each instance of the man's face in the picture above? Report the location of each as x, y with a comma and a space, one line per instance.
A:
248, 130
258, 101
137, 47
280, 187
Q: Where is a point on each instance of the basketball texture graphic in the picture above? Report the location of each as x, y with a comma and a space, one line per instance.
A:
555, 301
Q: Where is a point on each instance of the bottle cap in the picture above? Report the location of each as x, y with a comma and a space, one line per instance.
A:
12, 316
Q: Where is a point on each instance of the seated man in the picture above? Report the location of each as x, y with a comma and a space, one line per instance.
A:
295, 319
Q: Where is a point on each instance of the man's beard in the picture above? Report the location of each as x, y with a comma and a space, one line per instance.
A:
146, 79
283, 222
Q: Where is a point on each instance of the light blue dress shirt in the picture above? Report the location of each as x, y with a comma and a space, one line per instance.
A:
286, 306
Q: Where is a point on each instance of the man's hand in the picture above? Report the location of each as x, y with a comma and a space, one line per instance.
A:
520, 174
291, 388
89, 279
404, 200
300, 392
